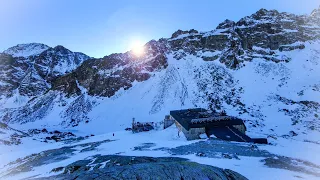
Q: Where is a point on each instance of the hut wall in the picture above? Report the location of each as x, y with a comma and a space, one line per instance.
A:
193, 133
168, 121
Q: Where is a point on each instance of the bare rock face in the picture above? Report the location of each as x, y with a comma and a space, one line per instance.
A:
26, 50
180, 32
316, 13
29, 68
36, 109
128, 167
262, 34
51, 71
18, 73
99, 166
226, 24
105, 76
57, 61
10, 136
8, 82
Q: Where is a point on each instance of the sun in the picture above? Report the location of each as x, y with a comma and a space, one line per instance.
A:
137, 48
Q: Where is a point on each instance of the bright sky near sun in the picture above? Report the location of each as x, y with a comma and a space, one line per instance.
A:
100, 27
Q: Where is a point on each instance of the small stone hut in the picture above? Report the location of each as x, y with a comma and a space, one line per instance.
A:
193, 122
141, 126
168, 121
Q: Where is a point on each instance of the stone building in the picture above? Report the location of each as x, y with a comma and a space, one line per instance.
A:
141, 126
168, 121
194, 122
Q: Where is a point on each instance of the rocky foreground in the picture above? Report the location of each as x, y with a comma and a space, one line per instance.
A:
89, 161
113, 166
262, 69
129, 167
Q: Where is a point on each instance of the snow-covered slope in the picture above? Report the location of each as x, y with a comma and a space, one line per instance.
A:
263, 69
191, 69
58, 61
10, 136
26, 50
268, 95
23, 77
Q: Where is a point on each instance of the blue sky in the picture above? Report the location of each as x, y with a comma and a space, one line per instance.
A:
101, 27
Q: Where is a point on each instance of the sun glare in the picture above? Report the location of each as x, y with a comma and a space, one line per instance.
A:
137, 48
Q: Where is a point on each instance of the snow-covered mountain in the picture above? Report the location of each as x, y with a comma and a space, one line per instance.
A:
263, 69
26, 50
260, 55
27, 70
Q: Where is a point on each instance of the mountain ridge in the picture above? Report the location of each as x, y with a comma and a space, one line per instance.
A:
29, 72
65, 114
231, 40
26, 50
189, 69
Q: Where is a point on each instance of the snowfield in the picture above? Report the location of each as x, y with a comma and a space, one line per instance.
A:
78, 108
26, 50
153, 143
177, 87
264, 87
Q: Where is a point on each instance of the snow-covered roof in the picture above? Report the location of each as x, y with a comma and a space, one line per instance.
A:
192, 118
212, 119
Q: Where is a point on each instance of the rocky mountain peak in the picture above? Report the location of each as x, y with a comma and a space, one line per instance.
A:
316, 13
180, 32
226, 24
264, 12
28, 69
262, 69
61, 49
26, 50
265, 35
58, 61
263, 16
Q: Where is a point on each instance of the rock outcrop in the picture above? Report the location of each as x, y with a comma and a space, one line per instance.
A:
105, 76
26, 50
129, 167
57, 77
28, 69
261, 35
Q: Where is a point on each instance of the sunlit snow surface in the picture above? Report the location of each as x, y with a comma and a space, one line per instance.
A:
26, 50
176, 87
125, 143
